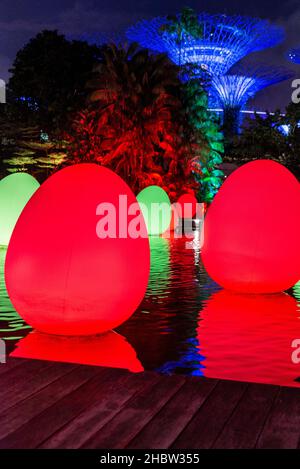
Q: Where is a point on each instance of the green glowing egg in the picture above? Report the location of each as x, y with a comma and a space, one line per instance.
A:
156, 208
15, 191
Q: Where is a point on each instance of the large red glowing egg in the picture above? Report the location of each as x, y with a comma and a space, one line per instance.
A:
252, 230
63, 275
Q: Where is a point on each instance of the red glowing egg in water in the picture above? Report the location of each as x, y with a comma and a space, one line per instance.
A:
252, 230
61, 277
187, 206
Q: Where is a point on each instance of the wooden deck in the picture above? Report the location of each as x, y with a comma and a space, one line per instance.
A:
59, 405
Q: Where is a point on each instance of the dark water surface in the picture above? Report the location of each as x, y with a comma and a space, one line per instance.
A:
186, 324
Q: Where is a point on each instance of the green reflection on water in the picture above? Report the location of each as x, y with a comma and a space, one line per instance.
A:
296, 292
160, 271
9, 319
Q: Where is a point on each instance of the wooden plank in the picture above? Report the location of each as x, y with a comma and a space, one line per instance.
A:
9, 365
114, 394
17, 373
23, 411
165, 427
244, 426
20, 389
282, 428
23, 390
21, 381
118, 432
43, 425
60, 405
204, 428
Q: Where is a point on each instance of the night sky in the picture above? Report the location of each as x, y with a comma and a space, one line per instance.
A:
22, 19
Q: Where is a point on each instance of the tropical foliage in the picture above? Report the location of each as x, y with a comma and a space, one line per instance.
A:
207, 140
135, 121
123, 107
48, 79
275, 136
183, 26
261, 137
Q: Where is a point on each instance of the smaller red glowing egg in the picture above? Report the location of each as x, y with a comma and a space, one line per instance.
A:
187, 206
174, 223
61, 276
252, 230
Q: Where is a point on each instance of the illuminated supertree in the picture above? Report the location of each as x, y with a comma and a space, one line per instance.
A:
243, 82
219, 43
294, 55
231, 92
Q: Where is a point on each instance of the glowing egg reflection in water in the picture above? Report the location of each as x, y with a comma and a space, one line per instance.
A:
160, 270
249, 337
61, 277
109, 349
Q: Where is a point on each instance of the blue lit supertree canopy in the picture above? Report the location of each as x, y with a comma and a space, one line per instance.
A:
243, 82
294, 55
232, 91
222, 40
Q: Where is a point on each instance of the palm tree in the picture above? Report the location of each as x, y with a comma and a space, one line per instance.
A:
134, 122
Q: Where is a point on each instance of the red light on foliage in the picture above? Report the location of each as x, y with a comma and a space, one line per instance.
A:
249, 337
109, 349
63, 279
252, 230
187, 206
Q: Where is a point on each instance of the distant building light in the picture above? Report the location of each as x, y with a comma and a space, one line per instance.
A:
2, 92
247, 111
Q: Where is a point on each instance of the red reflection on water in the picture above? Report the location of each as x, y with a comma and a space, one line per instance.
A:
249, 337
109, 350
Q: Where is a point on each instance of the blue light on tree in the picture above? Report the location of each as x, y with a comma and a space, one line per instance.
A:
231, 92
236, 88
224, 40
